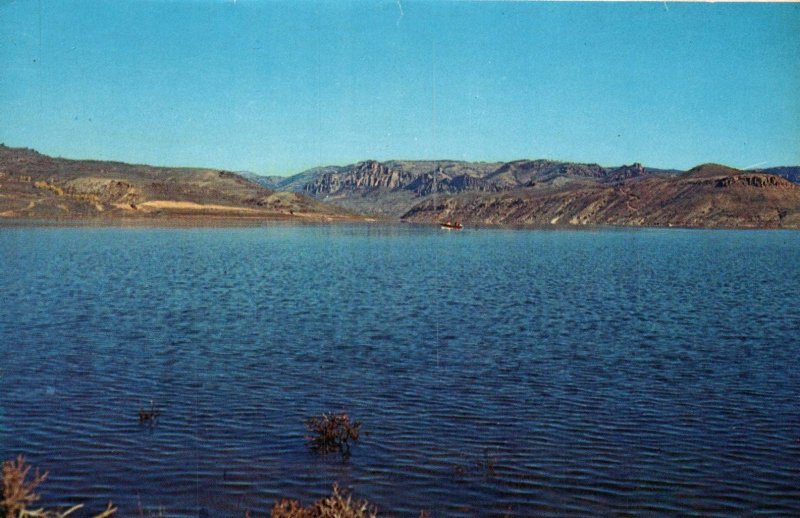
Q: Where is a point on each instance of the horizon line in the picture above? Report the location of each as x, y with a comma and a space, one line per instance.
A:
319, 166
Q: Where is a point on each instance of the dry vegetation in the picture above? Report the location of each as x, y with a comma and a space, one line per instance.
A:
19, 493
332, 432
337, 505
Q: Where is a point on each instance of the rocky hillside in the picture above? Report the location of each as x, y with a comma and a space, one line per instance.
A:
553, 192
394, 187
791, 173
707, 196
33, 185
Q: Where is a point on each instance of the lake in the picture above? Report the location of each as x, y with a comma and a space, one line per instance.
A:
518, 372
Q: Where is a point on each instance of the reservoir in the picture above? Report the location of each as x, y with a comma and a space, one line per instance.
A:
496, 372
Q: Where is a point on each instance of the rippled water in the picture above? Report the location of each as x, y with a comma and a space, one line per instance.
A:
642, 372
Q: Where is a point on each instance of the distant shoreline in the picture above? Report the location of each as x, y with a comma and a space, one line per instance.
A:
253, 222
188, 221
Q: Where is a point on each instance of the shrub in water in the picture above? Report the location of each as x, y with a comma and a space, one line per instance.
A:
149, 416
332, 432
337, 505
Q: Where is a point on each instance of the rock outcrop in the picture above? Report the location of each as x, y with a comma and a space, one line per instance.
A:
625, 172
364, 177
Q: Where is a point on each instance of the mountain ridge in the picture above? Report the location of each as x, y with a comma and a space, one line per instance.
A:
524, 191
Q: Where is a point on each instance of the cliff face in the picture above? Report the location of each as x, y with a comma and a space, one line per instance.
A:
452, 177
364, 177
707, 196
394, 187
423, 185
33, 185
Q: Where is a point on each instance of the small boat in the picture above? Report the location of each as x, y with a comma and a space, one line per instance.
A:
446, 225
451, 225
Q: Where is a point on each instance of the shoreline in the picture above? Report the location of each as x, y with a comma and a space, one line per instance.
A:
187, 220
222, 221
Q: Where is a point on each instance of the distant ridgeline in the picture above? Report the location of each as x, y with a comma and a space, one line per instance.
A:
546, 192
522, 192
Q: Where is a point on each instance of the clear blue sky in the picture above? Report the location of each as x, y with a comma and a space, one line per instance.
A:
278, 87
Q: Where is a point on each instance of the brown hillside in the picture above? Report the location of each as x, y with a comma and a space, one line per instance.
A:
33, 185
706, 196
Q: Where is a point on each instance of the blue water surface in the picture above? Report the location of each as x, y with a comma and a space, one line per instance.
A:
497, 372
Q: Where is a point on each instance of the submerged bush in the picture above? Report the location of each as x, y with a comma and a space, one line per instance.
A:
485, 466
332, 432
149, 416
337, 505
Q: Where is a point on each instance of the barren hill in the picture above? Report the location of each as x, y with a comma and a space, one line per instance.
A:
33, 185
709, 195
